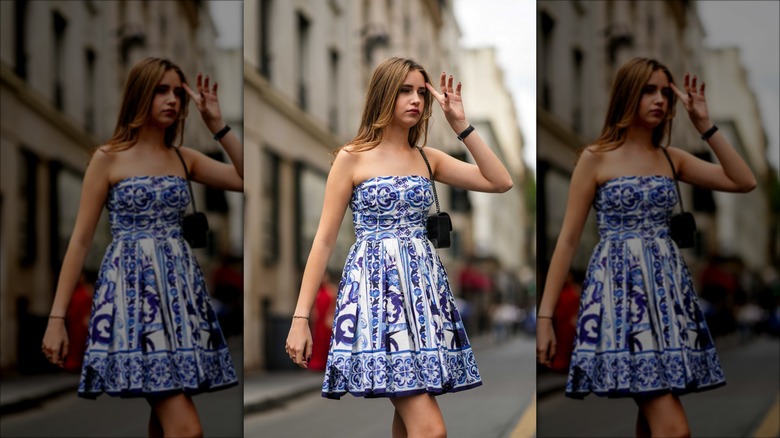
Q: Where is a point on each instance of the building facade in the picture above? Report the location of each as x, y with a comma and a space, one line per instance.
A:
62, 70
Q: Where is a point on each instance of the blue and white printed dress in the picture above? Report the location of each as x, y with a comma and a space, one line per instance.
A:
152, 331
396, 329
640, 330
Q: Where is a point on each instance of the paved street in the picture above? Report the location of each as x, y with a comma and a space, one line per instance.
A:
221, 414
735, 410
490, 411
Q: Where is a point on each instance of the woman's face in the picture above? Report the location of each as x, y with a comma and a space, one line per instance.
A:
167, 99
654, 101
410, 102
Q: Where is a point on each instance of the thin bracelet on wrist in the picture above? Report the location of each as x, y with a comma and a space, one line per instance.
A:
300, 317
543, 317
56, 317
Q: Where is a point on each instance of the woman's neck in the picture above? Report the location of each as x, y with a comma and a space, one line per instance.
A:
638, 135
394, 135
151, 136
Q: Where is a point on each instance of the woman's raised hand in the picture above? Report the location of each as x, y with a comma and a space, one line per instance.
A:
205, 98
450, 101
694, 102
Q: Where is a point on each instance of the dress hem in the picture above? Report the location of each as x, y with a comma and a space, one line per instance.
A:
381, 393
626, 393
137, 393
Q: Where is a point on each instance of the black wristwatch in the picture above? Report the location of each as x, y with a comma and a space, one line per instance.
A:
708, 133
465, 133
221, 133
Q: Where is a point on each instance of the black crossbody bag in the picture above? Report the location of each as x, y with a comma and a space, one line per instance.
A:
195, 226
683, 225
438, 225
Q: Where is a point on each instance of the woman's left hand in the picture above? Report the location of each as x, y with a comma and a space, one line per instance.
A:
450, 101
694, 102
205, 99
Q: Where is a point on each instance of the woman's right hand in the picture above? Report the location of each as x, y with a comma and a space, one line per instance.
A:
545, 341
299, 344
55, 342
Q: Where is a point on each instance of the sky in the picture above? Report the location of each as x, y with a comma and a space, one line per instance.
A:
509, 26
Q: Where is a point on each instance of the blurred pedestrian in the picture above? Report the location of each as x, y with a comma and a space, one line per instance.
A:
153, 332
77, 322
565, 322
397, 332
322, 322
640, 332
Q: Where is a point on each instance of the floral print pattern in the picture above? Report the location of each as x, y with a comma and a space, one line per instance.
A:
640, 329
152, 330
396, 329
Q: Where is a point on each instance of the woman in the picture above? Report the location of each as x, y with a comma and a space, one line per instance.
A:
640, 331
153, 332
396, 332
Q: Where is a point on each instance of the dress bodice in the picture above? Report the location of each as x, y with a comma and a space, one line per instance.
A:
144, 207
386, 207
635, 207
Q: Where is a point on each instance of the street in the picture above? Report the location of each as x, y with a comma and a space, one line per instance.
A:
221, 414
735, 410
490, 411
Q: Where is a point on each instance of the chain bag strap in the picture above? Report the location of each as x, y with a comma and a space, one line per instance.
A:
439, 225
682, 226
195, 226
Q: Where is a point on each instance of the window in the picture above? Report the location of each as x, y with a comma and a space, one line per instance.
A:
28, 191
20, 14
265, 41
271, 197
90, 84
576, 109
333, 92
547, 24
59, 24
303, 60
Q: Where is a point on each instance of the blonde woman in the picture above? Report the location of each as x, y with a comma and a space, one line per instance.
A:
640, 331
397, 332
152, 332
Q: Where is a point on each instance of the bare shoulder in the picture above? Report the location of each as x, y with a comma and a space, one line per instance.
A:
346, 162
103, 159
589, 165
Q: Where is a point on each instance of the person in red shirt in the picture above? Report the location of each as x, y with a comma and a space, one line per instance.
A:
322, 323
77, 322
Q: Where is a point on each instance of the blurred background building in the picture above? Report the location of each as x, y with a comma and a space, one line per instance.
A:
580, 47
306, 68
63, 65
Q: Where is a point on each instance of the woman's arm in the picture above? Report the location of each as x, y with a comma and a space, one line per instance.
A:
93, 196
338, 191
489, 174
206, 170
732, 174
582, 190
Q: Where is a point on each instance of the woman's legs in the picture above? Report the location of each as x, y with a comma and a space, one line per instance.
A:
642, 428
419, 416
399, 430
176, 416
664, 416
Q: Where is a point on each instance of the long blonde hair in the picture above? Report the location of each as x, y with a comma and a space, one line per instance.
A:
383, 89
624, 99
137, 102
